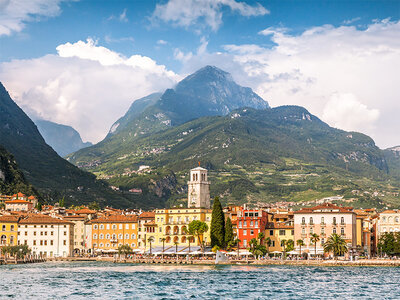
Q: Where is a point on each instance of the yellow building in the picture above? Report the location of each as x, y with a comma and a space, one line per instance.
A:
172, 225
146, 229
280, 228
8, 230
113, 231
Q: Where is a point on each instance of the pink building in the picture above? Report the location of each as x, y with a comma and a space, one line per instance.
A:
324, 220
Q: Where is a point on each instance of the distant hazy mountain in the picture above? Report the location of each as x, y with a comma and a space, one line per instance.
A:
63, 139
53, 176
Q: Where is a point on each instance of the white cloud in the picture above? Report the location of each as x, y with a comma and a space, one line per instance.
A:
122, 17
14, 14
162, 42
346, 112
309, 69
190, 12
86, 86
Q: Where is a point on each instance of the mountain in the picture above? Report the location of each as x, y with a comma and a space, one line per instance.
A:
392, 156
208, 92
12, 179
63, 139
53, 176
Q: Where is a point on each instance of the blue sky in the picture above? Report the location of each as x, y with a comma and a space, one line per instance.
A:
71, 61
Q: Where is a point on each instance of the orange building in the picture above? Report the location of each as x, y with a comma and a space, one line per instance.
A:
110, 232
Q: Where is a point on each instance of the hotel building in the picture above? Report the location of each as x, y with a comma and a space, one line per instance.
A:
8, 230
250, 223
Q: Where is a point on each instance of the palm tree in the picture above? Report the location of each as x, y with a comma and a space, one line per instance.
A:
124, 249
314, 239
336, 244
186, 231
176, 248
253, 244
268, 242
300, 243
261, 236
163, 246
150, 240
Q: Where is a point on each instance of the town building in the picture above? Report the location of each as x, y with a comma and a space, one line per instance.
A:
173, 225
110, 232
324, 220
280, 230
250, 223
46, 236
8, 230
18, 205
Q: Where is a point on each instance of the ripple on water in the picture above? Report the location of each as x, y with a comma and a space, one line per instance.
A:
113, 281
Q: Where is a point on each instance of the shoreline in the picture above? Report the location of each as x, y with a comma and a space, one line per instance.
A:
311, 263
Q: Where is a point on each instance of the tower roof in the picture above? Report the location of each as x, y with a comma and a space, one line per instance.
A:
198, 168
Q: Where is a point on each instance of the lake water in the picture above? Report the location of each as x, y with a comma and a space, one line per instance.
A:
97, 280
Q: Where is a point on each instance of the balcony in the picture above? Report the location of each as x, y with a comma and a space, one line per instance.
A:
113, 241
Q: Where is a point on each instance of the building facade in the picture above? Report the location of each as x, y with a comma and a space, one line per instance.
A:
46, 236
8, 230
280, 230
324, 220
250, 222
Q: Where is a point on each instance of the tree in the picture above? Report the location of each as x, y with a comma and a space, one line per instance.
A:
217, 225
261, 236
314, 239
124, 249
300, 243
61, 203
289, 245
94, 205
39, 206
268, 242
335, 244
228, 232
198, 228
150, 240
253, 243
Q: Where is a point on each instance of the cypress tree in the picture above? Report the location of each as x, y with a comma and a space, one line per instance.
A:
217, 231
228, 231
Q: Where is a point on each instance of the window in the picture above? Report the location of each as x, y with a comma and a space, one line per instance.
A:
240, 224
322, 230
292, 231
334, 230
127, 236
64, 242
133, 236
65, 233
133, 226
41, 242
383, 219
342, 220
26, 232
160, 229
245, 243
127, 226
12, 228
256, 224
322, 241
311, 221
342, 231
334, 221
95, 226
45, 233
281, 232
101, 244
311, 230
251, 223
120, 226
271, 232
101, 236
245, 232
95, 236
114, 236
51, 232
251, 232
273, 243
397, 219
107, 236
45, 243
34, 243
322, 220
41, 233
34, 233
303, 220
101, 226
303, 231
133, 245
120, 236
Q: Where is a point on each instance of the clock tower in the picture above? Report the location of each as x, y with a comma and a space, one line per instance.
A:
198, 189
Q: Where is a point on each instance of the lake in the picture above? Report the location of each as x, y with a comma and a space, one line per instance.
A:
95, 280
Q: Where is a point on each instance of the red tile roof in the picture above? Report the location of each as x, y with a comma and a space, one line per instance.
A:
324, 208
115, 219
42, 219
9, 219
16, 201
147, 215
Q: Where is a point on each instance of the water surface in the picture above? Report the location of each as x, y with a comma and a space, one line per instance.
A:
101, 280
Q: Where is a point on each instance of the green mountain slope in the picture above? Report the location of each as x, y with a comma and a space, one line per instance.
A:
53, 176
12, 179
283, 153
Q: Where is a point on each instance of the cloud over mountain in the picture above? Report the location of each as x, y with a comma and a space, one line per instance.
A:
85, 86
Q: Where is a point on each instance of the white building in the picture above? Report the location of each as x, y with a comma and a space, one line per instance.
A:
388, 221
47, 236
18, 205
198, 189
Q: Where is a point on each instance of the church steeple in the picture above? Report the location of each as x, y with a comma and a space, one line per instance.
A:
198, 188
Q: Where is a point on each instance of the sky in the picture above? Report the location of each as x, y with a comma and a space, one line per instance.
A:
82, 63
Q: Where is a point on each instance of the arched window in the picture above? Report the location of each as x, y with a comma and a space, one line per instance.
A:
108, 236
133, 245
397, 220
101, 226
311, 221
12, 228
12, 240
95, 226
101, 236
342, 231
101, 244
95, 236
322, 220
303, 220
342, 220
334, 220
120, 236
114, 236
127, 236
114, 226
334, 229
133, 236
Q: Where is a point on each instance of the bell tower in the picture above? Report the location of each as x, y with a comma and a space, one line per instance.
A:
198, 188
